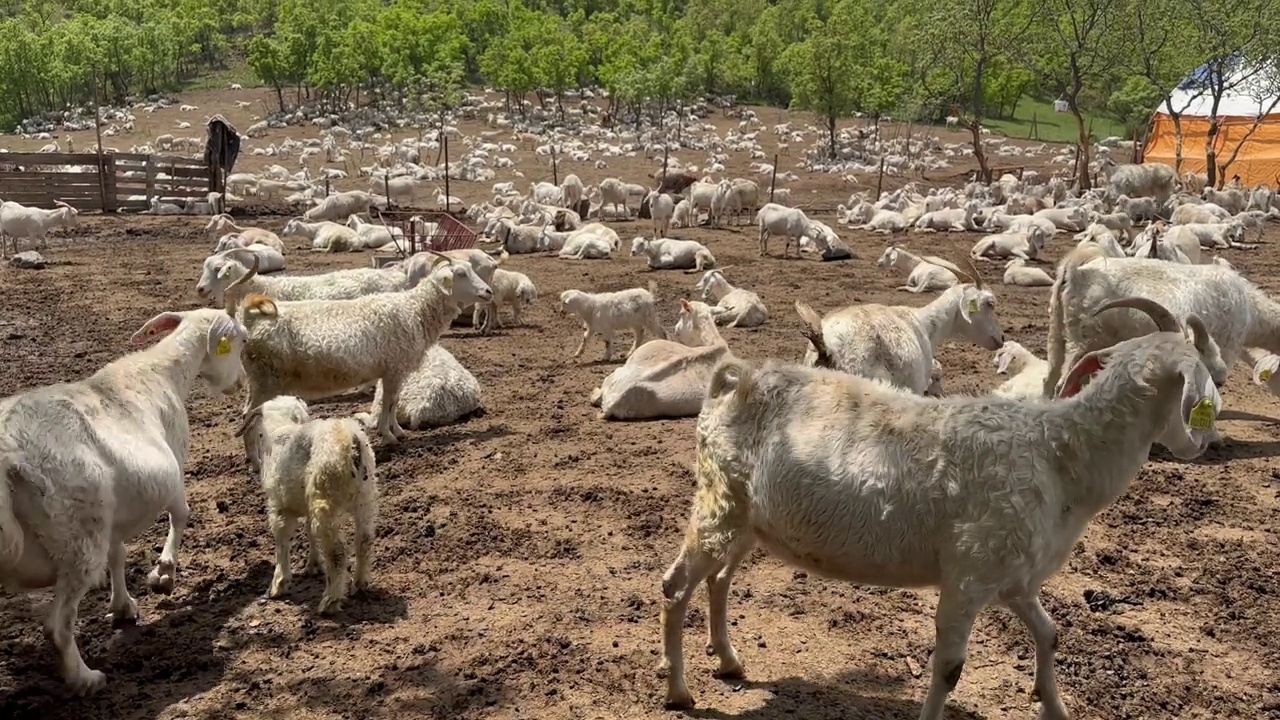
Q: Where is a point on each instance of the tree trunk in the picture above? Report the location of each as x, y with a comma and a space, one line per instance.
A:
984, 172
1082, 149
1210, 152
1222, 169
831, 131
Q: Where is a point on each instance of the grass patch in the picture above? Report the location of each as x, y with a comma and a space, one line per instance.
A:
222, 79
1051, 126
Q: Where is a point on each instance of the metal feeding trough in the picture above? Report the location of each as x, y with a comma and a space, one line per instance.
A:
426, 230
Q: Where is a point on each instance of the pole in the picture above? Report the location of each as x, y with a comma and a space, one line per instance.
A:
97, 128
445, 148
555, 165
773, 176
386, 186
880, 176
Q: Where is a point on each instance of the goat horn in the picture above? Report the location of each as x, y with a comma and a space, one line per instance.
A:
248, 418
253, 269
1158, 313
977, 274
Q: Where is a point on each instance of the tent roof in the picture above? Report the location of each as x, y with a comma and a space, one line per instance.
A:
1251, 91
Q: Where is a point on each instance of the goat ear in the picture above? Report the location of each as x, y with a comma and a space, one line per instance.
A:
684, 306
1266, 368
1081, 374
1002, 363
162, 324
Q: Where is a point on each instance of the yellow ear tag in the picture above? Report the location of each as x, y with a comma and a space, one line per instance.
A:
973, 307
224, 346
447, 281
1202, 416
1265, 375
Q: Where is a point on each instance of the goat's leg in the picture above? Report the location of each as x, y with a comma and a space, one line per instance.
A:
586, 335
282, 528
165, 572
327, 530
60, 627
122, 606
313, 553
608, 345
639, 340
1032, 614
387, 425
365, 514
952, 625
691, 567
718, 643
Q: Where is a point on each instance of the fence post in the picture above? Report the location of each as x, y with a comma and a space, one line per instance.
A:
773, 177
326, 186
151, 178
555, 165
880, 177
109, 182
386, 186
445, 146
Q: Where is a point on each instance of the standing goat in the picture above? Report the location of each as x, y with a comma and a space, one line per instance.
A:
86, 466
316, 348
983, 498
318, 471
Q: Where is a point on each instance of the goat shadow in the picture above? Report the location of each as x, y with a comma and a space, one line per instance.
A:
173, 655
838, 698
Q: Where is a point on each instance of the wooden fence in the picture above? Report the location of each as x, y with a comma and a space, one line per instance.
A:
112, 182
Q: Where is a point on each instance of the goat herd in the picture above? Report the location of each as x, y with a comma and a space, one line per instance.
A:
851, 464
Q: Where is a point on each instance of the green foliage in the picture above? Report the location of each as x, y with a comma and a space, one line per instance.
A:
983, 59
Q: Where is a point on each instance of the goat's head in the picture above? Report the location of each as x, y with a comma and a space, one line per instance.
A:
221, 342
977, 312
1173, 354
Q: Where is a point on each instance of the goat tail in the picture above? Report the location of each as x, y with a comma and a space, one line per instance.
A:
731, 375
362, 460
1056, 345
10, 533
257, 305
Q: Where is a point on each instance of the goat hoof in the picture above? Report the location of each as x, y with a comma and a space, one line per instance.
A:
88, 682
161, 583
124, 615
730, 671
679, 701
330, 605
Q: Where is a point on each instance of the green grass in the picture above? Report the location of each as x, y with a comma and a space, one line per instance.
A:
222, 78
1050, 126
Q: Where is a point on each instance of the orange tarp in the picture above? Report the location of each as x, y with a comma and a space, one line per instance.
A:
1257, 163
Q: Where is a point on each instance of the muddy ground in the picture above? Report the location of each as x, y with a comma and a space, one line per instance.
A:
519, 554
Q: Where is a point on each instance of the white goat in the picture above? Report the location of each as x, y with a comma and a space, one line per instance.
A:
669, 254
607, 313
734, 306
665, 378
1026, 372
897, 345
983, 498
319, 471
317, 348
439, 392
86, 466
923, 275
28, 223
221, 225
1017, 273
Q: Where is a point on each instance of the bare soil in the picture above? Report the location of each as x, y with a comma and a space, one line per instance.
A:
520, 554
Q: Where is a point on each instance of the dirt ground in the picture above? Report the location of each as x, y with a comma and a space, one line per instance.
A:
519, 554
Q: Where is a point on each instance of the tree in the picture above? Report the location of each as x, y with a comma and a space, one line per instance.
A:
1165, 50
1076, 43
1239, 38
962, 45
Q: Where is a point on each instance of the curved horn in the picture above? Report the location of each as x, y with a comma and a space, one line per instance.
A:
977, 274
248, 418
253, 270
1158, 313
62, 204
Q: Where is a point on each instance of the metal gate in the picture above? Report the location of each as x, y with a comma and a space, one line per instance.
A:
426, 230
